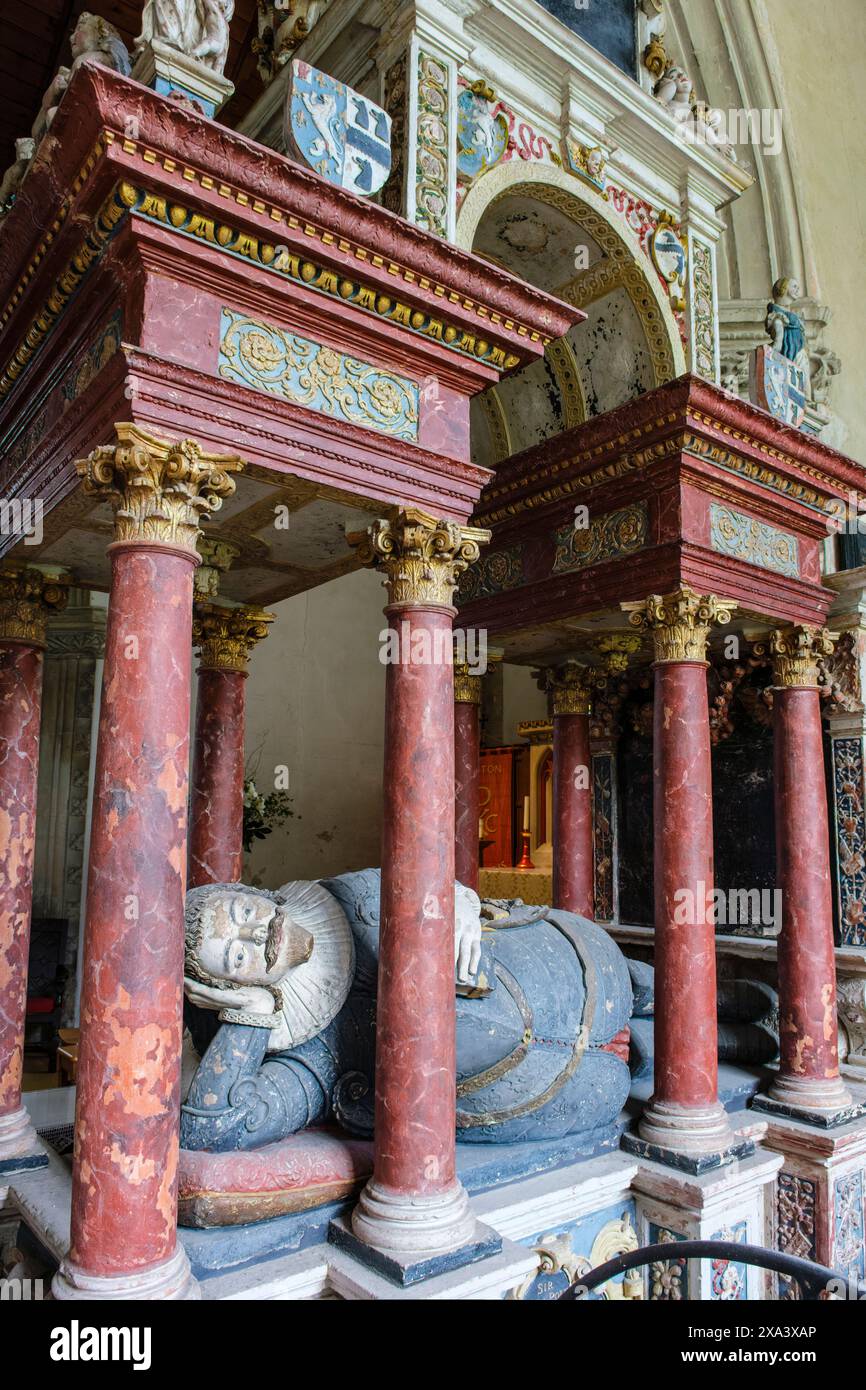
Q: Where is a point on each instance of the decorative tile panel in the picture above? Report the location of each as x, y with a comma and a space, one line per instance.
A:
319, 378
567, 1252
848, 799
728, 1278
605, 538
744, 538
668, 1280
849, 1236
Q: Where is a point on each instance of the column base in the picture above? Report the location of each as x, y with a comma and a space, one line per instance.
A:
407, 1269
171, 1281
412, 1237
689, 1137
825, 1104
19, 1144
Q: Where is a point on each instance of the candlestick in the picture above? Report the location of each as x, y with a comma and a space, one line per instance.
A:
526, 861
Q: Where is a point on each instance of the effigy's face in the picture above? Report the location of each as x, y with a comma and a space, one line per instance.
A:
248, 940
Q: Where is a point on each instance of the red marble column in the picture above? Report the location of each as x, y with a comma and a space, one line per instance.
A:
573, 877
414, 1206
684, 1114
26, 598
225, 637
124, 1183
467, 774
808, 1078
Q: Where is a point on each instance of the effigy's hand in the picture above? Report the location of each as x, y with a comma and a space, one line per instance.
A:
248, 999
467, 934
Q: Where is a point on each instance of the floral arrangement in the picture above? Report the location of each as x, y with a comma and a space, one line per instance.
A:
263, 814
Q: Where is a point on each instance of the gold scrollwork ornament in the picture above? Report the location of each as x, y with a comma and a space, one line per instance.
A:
680, 622
420, 557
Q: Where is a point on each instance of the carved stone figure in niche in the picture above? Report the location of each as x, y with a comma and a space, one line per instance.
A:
786, 329
293, 976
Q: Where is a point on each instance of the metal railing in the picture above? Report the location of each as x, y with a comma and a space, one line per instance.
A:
813, 1279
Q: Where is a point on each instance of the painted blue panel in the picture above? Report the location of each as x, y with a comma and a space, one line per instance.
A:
609, 25
320, 378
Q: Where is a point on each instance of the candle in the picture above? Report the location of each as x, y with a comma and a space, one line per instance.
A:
526, 813
481, 827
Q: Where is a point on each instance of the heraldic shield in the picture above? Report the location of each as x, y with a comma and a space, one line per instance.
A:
339, 133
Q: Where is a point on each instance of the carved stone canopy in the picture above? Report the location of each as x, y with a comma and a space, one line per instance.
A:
158, 487
421, 558
28, 598
680, 622
226, 636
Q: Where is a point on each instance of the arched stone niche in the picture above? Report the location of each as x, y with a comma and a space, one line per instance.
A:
563, 236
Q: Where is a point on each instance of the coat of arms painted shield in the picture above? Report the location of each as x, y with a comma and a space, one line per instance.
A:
339, 133
779, 385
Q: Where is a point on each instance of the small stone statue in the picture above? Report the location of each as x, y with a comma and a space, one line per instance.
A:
12, 179
213, 48
786, 329
674, 91
198, 28
172, 21
96, 40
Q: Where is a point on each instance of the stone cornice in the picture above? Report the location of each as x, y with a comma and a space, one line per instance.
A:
226, 174
688, 416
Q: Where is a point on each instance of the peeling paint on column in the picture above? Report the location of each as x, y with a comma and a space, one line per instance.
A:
20, 691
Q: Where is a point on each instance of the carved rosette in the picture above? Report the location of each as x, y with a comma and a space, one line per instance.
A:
467, 687
159, 488
680, 623
572, 687
28, 598
420, 558
796, 652
226, 636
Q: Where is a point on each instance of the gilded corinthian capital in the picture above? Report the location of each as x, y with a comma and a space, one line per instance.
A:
158, 488
680, 622
467, 686
421, 558
226, 636
572, 687
28, 598
796, 652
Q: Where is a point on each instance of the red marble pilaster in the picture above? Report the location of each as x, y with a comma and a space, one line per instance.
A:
225, 637
414, 1205
124, 1182
467, 774
808, 1077
573, 878
23, 613
684, 1113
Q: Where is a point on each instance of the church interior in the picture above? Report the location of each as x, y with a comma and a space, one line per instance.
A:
432, 651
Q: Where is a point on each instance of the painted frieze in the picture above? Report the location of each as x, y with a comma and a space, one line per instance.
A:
604, 538
795, 1224
431, 168
849, 1237
728, 1278
317, 377
745, 538
492, 574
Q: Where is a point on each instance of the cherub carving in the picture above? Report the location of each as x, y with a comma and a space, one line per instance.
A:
215, 16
